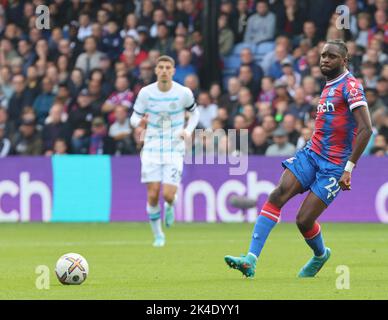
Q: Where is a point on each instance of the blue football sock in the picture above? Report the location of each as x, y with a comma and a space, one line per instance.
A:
260, 233
317, 244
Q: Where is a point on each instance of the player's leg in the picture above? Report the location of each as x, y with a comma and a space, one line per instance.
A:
151, 176
269, 215
154, 213
297, 178
312, 207
324, 190
169, 195
172, 174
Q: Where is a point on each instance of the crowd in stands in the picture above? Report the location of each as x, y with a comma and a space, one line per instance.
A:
71, 88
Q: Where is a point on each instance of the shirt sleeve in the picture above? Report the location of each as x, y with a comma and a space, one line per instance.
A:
190, 103
354, 94
140, 103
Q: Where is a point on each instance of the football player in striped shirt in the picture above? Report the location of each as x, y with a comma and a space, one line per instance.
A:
161, 107
324, 167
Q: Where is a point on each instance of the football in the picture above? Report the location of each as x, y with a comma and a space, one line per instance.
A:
72, 268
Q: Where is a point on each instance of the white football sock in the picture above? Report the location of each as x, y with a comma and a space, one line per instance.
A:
155, 220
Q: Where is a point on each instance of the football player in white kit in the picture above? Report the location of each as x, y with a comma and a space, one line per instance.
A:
160, 109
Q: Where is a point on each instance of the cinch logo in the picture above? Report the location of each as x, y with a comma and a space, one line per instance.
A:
25, 190
326, 107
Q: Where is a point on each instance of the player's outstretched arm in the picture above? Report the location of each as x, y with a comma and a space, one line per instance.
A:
364, 132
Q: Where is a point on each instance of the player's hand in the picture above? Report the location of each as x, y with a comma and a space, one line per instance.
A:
144, 121
345, 182
184, 135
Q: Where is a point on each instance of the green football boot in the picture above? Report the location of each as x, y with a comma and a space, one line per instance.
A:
245, 264
169, 216
312, 267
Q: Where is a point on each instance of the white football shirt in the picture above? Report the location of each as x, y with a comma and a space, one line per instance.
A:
166, 120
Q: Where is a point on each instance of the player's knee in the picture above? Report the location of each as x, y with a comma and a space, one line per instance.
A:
304, 223
153, 196
276, 197
169, 197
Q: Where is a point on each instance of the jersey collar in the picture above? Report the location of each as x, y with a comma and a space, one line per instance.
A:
329, 83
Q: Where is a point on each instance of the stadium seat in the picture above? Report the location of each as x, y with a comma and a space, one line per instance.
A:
264, 47
239, 46
231, 62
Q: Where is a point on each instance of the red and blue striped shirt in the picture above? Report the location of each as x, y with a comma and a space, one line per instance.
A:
335, 125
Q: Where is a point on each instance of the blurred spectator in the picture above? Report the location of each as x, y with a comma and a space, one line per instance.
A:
112, 41
5, 143
269, 124
145, 78
309, 33
229, 100
369, 74
100, 142
363, 23
6, 88
60, 147
267, 93
273, 64
305, 135
246, 58
250, 115
192, 82
289, 125
56, 127
7, 125
90, 59
207, 110
163, 41
245, 76
96, 94
382, 90
281, 146
215, 92
374, 102
261, 25
20, 99
225, 35
27, 141
80, 119
299, 108
85, 27
288, 72
241, 144
121, 131
240, 20
26, 53
184, 66
290, 19
259, 141
121, 96
44, 101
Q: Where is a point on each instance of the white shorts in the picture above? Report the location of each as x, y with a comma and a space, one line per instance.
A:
170, 173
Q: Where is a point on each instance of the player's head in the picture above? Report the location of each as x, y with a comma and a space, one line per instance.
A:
165, 69
334, 58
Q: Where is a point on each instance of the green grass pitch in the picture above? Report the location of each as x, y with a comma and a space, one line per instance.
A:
124, 265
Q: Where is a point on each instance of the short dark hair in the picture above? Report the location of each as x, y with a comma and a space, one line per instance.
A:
341, 45
166, 58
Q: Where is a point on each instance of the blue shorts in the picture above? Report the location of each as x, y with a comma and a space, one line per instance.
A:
315, 173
